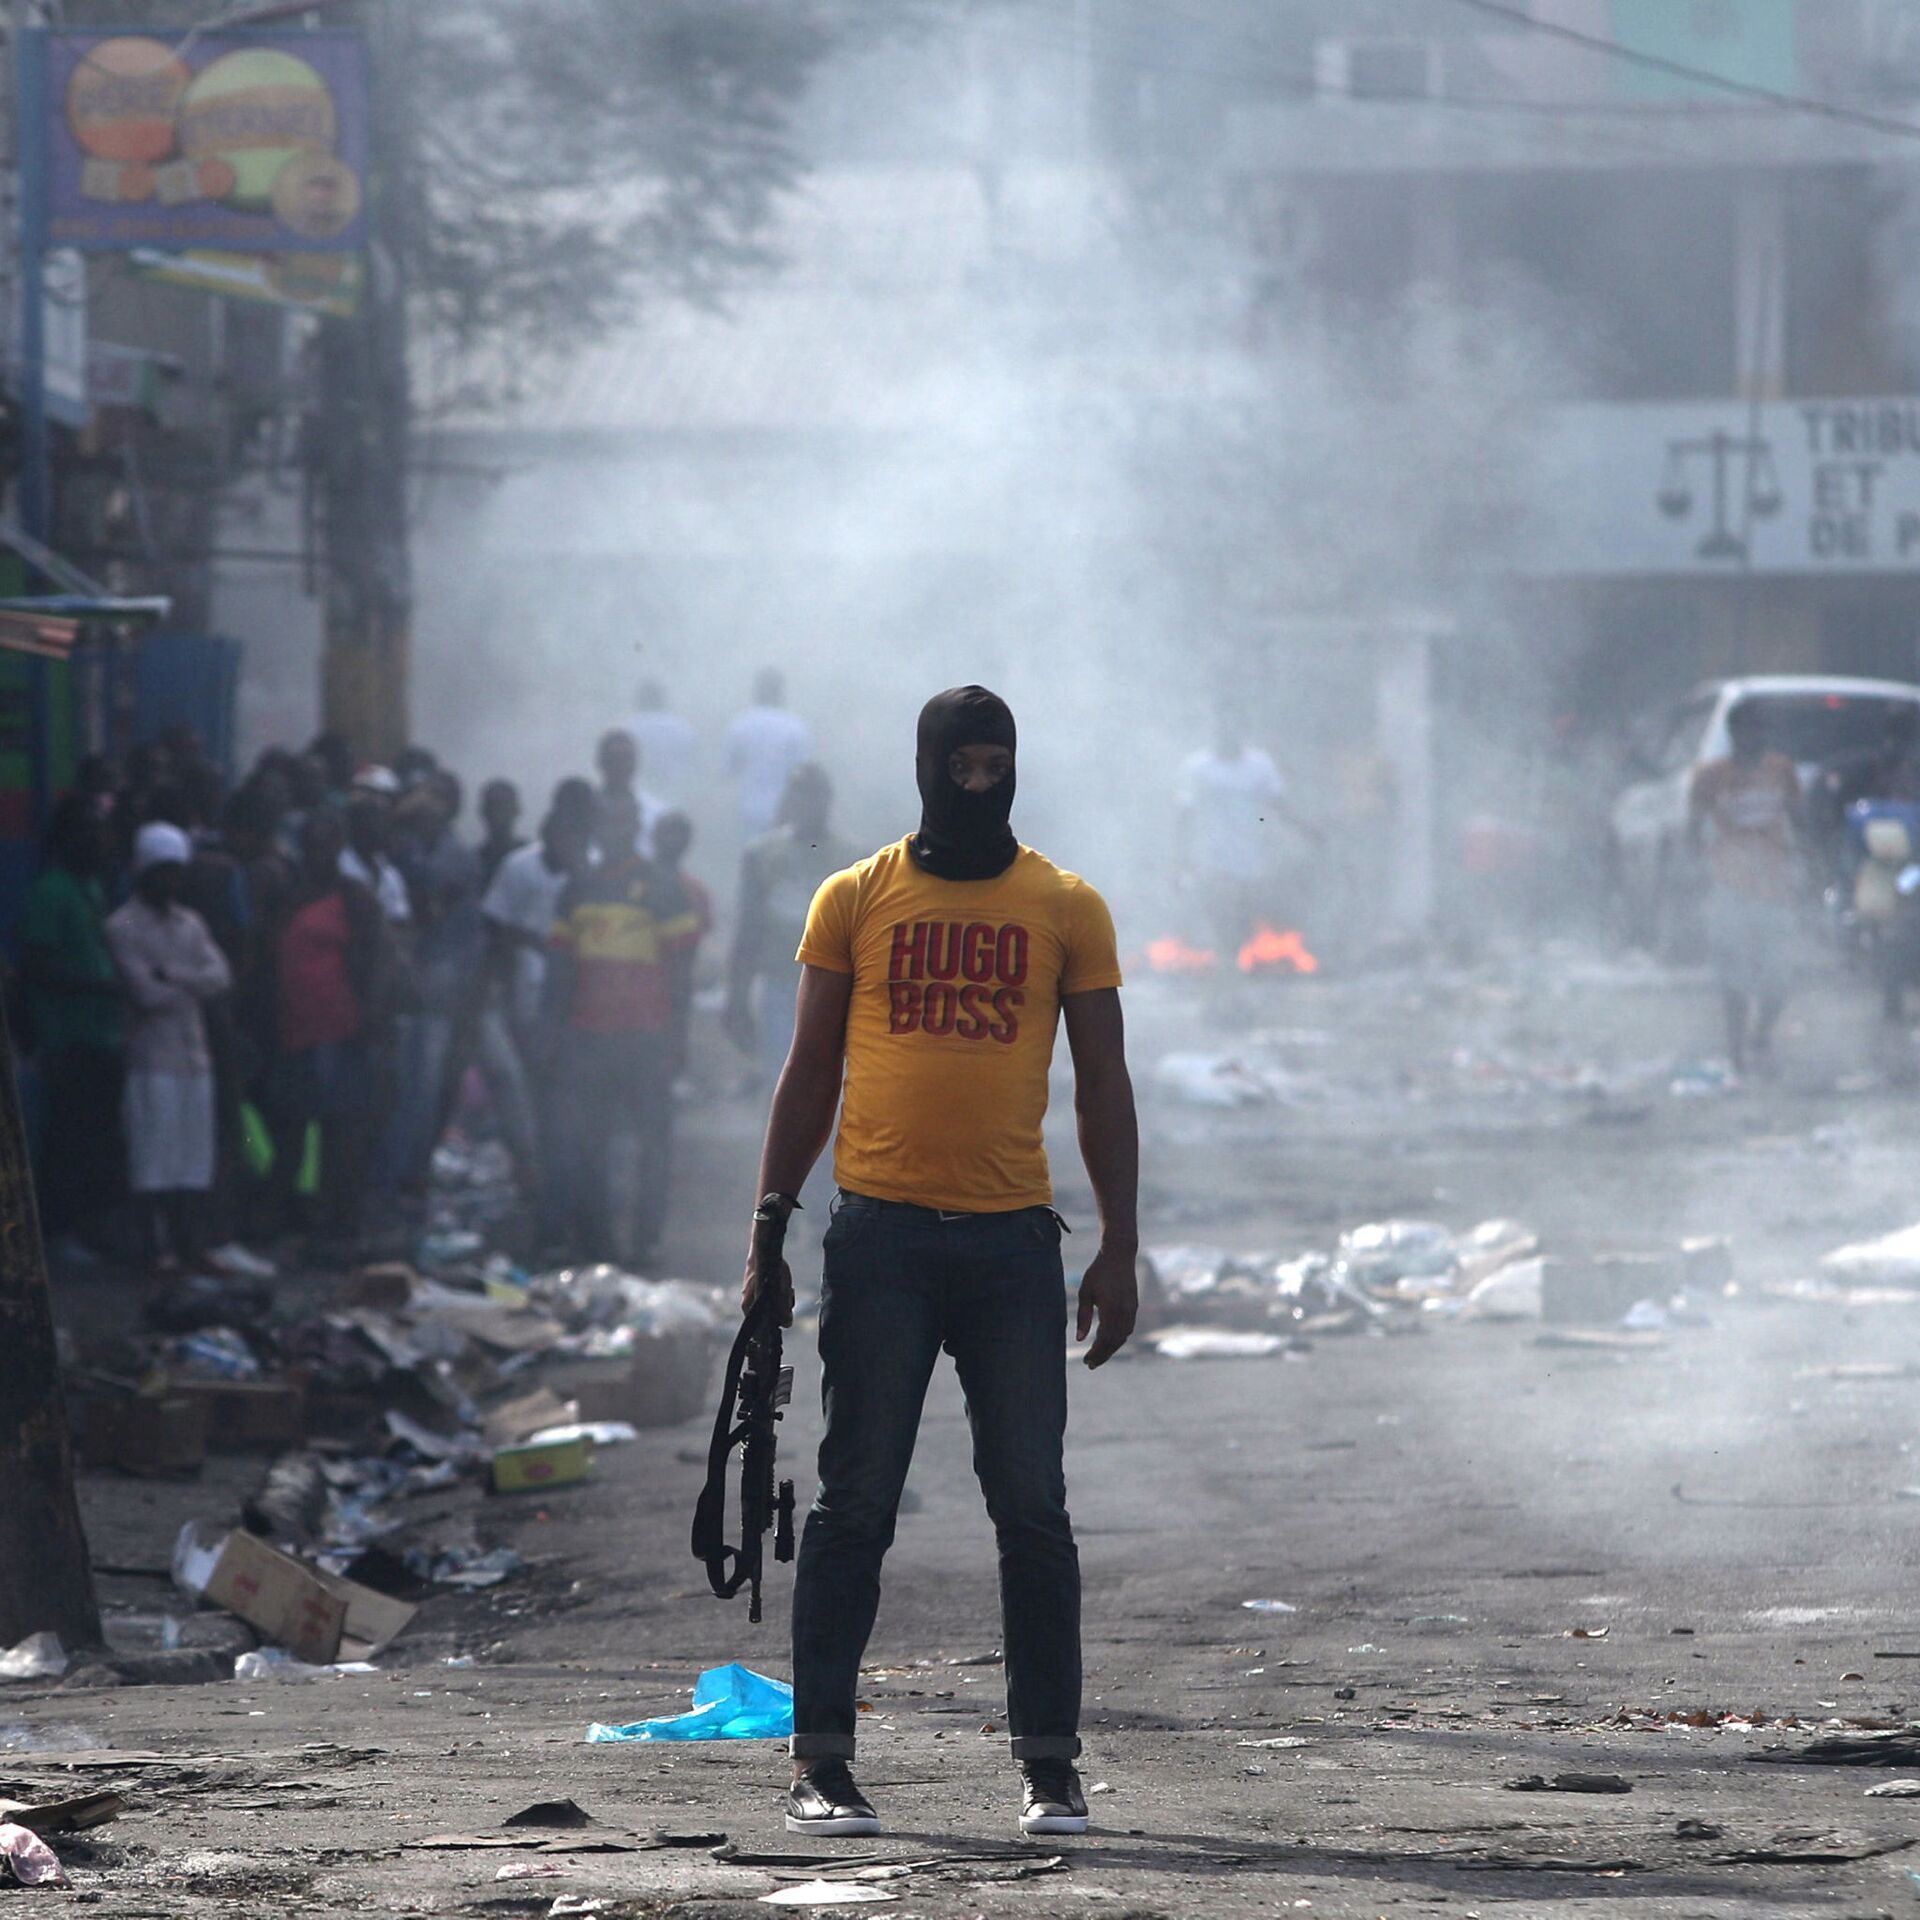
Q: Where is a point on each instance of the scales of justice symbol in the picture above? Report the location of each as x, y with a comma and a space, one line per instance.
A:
1721, 451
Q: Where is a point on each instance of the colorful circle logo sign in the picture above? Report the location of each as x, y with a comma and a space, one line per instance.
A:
254, 112
316, 196
121, 106
256, 131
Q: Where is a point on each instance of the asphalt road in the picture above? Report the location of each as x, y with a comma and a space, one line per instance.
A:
1503, 1559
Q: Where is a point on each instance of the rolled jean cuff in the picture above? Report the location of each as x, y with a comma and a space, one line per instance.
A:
1046, 1746
821, 1746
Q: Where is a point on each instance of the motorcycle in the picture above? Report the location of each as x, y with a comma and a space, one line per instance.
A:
1884, 836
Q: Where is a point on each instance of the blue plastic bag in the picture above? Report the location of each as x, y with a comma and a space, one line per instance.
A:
729, 1703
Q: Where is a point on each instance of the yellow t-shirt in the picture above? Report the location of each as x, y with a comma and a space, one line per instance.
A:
956, 997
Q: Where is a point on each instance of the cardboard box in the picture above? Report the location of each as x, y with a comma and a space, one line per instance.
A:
245, 1414
167, 1434
385, 1287
669, 1379
663, 1382
601, 1389
315, 1616
533, 1469
515, 1421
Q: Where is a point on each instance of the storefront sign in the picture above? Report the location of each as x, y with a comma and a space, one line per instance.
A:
1793, 487
242, 142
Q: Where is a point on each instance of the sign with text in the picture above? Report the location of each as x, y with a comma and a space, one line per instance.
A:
1795, 486
240, 142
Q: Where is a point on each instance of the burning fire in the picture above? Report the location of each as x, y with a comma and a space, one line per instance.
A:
1270, 949
1173, 955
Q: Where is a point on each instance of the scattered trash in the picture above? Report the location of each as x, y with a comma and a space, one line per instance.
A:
729, 1703
473, 1568
1570, 1783
1396, 1250
551, 1813
315, 1616
40, 1656
213, 1353
64, 1737
79, 1813
1217, 1080
1702, 1080
532, 1870
1892, 1260
1100, 1786
1512, 1293
1269, 1606
140, 1632
1587, 1633
825, 1893
523, 1419
195, 1553
537, 1466
1281, 1740
1891, 1749
28, 1858
600, 1433
1895, 1790
275, 1663
1215, 1343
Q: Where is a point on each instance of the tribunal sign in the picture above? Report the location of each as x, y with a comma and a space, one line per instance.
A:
1791, 487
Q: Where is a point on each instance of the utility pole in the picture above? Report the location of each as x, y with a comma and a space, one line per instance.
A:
46, 1576
365, 437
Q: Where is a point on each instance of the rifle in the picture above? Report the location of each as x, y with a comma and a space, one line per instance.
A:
756, 1389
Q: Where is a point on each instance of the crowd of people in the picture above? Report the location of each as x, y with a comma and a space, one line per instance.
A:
252, 1011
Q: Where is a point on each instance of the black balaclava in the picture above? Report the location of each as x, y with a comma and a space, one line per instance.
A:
963, 836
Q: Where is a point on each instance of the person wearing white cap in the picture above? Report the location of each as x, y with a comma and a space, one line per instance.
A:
169, 965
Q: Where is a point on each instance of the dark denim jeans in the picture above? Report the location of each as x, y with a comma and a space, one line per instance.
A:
901, 1283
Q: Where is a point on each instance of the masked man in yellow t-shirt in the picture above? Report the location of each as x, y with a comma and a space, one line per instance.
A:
933, 978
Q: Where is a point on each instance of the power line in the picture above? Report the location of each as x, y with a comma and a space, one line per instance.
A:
1305, 85
1685, 70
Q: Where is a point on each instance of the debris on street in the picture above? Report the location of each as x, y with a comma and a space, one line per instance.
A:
1893, 1260
729, 1703
40, 1656
1396, 1275
28, 1858
1570, 1783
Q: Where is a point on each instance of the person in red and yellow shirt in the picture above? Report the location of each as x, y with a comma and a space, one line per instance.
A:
619, 929
934, 977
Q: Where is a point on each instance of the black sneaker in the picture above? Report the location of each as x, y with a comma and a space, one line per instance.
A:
1053, 1801
825, 1800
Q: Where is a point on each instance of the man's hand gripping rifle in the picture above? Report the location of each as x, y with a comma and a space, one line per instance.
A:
756, 1389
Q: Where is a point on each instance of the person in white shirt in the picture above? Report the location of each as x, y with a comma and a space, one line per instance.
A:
169, 966
519, 908
667, 743
1234, 816
765, 743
